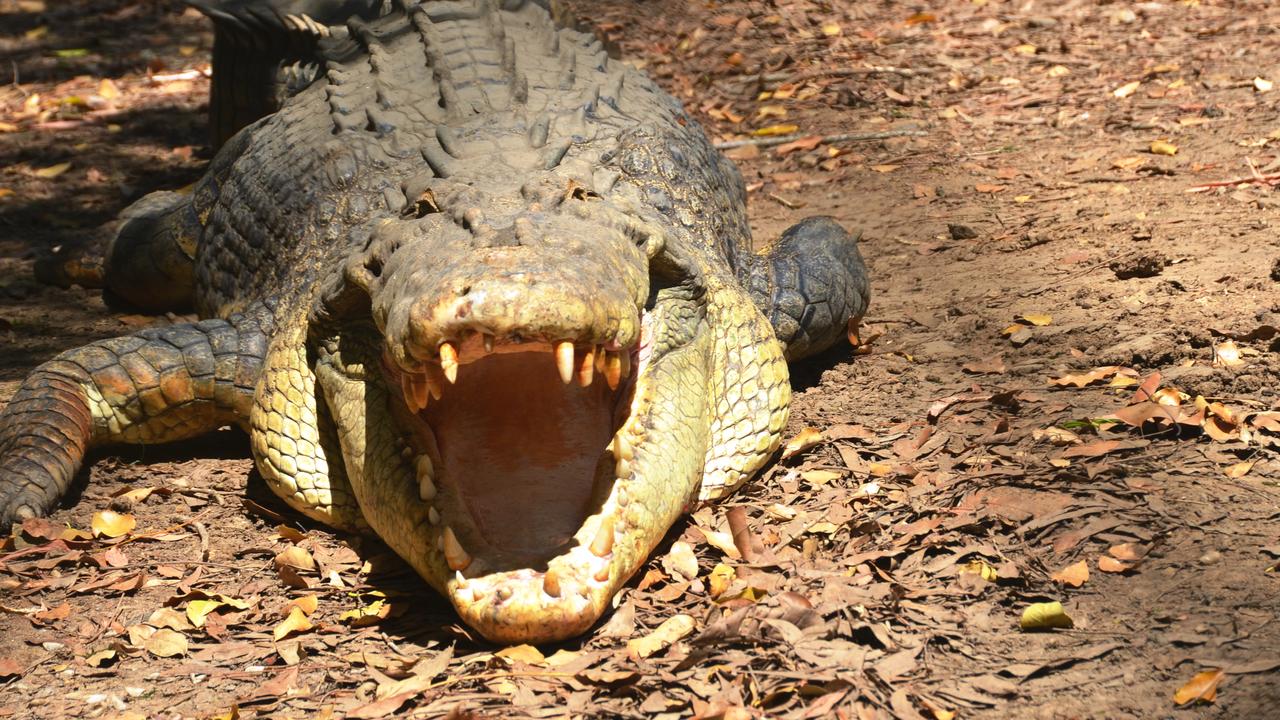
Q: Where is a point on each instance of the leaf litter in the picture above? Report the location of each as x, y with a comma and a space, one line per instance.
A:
881, 568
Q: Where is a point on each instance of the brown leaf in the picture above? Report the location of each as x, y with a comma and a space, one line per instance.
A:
1108, 564
1074, 575
681, 561
742, 538
52, 615
803, 440
1201, 688
9, 668
166, 643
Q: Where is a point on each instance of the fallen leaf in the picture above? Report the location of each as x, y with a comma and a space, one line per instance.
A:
884, 168
721, 577
989, 188
1108, 564
110, 524
1201, 688
307, 604
681, 561
9, 668
296, 622
1163, 147
1240, 469
1127, 89
370, 614
769, 130
1227, 354
522, 653
1043, 616
671, 630
1262, 85
1037, 319
1092, 376
1074, 575
52, 171
803, 440
166, 643
981, 568
1128, 552
819, 477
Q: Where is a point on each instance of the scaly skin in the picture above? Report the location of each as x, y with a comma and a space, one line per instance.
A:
496, 296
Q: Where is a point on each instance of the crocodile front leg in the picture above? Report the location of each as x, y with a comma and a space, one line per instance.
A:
811, 285
158, 385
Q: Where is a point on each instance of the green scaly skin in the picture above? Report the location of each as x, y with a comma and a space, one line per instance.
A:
477, 290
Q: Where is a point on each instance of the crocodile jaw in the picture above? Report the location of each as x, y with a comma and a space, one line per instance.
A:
650, 471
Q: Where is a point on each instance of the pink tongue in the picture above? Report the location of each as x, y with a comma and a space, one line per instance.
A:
522, 448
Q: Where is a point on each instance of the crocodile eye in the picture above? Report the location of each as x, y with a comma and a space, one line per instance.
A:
425, 205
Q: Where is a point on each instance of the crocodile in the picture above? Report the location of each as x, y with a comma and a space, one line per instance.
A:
478, 290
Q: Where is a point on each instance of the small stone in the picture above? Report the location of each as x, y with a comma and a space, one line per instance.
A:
961, 232
1139, 266
1021, 337
1275, 270
1210, 557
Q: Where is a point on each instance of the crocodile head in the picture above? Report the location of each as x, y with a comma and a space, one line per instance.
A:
523, 404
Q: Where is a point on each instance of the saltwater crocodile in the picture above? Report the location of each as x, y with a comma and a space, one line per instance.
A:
477, 289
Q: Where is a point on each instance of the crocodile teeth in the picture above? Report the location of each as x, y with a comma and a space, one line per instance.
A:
586, 368
622, 447
622, 469
624, 359
433, 516
612, 370
488, 342
415, 391
435, 381
602, 545
602, 574
454, 555
426, 487
551, 583
449, 361
564, 361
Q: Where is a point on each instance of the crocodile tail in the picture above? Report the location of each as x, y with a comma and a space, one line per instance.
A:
811, 284
265, 50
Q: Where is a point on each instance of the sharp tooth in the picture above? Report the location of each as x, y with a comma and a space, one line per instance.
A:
602, 545
426, 486
622, 469
612, 370
602, 574
551, 583
449, 361
433, 515
625, 359
600, 357
488, 342
564, 360
622, 447
415, 391
586, 368
435, 381
454, 555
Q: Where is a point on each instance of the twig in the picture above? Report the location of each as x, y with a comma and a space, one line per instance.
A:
1085, 271
1272, 179
826, 139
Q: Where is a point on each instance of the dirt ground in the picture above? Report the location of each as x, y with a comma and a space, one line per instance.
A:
1065, 392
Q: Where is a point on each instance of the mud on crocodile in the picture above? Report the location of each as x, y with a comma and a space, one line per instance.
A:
476, 289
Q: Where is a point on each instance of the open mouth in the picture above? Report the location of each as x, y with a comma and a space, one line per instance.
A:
514, 444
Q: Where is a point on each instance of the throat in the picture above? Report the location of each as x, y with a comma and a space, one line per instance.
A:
522, 452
